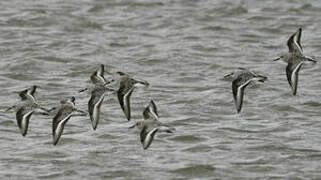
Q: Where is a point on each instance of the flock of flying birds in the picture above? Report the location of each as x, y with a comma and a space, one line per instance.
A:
294, 58
67, 109
150, 124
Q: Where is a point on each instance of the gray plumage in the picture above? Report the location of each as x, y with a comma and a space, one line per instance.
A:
295, 59
126, 88
240, 81
147, 137
94, 104
27, 108
97, 95
151, 120
64, 113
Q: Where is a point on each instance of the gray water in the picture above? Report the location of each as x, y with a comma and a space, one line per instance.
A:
182, 48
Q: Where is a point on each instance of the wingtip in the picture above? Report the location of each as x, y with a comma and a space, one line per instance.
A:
94, 126
169, 131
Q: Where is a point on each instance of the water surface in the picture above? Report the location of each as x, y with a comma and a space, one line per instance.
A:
182, 48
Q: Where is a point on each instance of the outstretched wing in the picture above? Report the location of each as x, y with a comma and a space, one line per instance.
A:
298, 38
238, 86
98, 76
146, 138
294, 46
292, 74
150, 111
59, 121
123, 95
23, 116
94, 104
28, 94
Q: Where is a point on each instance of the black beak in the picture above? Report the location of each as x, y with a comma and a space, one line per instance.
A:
277, 59
264, 78
131, 127
228, 75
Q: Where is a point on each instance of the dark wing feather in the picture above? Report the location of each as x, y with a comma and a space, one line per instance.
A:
143, 134
151, 107
146, 138
289, 69
63, 112
33, 90
125, 89
290, 43
235, 85
296, 69
23, 94
20, 115
96, 95
298, 39
127, 105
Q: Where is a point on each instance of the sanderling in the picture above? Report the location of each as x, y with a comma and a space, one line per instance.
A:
295, 59
25, 109
241, 79
97, 95
65, 112
126, 88
151, 120
150, 125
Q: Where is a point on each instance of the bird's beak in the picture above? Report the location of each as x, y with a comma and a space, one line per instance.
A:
131, 127
228, 75
277, 59
140, 83
9, 109
263, 78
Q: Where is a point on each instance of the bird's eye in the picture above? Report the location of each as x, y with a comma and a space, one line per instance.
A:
282, 56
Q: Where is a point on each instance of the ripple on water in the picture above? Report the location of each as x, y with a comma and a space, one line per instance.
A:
114, 174
199, 148
188, 139
196, 171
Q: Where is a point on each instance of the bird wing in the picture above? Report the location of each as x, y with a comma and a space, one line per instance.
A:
292, 74
123, 95
23, 116
94, 104
146, 138
294, 46
151, 111
59, 121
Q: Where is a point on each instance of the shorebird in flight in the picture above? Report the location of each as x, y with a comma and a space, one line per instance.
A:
97, 95
126, 88
150, 125
241, 79
295, 59
27, 108
151, 119
66, 110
